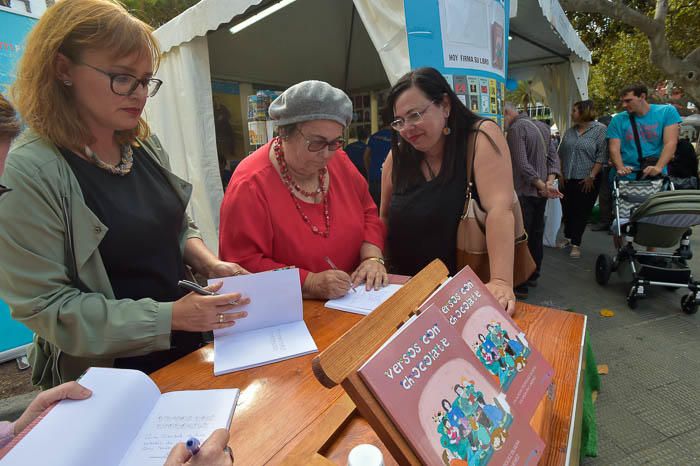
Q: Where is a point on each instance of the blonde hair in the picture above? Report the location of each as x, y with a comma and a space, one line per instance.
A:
71, 27
9, 126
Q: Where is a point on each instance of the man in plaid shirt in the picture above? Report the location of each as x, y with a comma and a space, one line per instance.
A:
535, 169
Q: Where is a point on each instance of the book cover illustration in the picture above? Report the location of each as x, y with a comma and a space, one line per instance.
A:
495, 339
444, 402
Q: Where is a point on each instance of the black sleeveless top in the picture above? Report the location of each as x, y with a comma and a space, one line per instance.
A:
141, 250
423, 223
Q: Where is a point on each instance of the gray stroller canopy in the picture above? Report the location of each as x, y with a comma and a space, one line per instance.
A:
663, 218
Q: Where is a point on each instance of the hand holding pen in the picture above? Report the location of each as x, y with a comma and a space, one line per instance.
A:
330, 262
214, 451
203, 309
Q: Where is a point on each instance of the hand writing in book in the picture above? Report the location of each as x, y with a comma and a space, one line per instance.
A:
503, 292
329, 284
213, 452
197, 313
68, 390
372, 273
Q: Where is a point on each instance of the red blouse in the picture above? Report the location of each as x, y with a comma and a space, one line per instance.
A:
262, 230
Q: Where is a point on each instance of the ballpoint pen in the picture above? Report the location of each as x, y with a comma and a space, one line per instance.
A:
195, 288
192, 445
330, 262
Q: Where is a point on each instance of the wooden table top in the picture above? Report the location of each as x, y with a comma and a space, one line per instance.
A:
280, 401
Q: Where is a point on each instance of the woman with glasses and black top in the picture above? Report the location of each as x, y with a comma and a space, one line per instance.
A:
95, 238
299, 201
424, 181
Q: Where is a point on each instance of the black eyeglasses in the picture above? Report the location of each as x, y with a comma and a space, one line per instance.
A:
125, 84
317, 145
412, 119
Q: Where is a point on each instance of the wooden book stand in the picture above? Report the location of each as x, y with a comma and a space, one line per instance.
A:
339, 363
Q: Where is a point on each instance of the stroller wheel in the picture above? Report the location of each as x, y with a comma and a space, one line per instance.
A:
603, 269
688, 304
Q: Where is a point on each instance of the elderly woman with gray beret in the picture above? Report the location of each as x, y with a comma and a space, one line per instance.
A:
299, 201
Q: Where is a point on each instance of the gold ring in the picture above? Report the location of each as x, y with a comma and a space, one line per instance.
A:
221, 318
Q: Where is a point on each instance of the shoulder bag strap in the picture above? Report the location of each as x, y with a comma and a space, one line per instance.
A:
633, 122
471, 156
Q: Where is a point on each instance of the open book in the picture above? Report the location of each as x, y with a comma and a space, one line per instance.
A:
274, 329
362, 301
125, 422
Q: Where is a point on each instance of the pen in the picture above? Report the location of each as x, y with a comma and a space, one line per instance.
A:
192, 445
330, 262
195, 288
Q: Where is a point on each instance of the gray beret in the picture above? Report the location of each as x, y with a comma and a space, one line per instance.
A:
311, 100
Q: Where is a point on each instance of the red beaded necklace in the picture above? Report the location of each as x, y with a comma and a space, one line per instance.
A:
292, 186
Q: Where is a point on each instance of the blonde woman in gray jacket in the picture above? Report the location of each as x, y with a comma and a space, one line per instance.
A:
95, 237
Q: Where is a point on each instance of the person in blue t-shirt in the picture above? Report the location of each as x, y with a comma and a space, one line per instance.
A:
378, 148
356, 151
657, 126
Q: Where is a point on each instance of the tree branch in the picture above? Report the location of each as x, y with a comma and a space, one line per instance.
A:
616, 10
661, 11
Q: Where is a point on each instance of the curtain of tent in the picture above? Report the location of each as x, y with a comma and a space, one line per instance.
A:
561, 91
182, 117
385, 22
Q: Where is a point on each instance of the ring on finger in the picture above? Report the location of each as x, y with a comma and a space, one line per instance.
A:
228, 450
221, 318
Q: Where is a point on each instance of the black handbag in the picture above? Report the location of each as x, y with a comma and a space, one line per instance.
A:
644, 162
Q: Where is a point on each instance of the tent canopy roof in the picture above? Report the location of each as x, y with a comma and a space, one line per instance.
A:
309, 39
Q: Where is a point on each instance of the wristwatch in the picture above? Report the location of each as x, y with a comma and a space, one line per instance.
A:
376, 259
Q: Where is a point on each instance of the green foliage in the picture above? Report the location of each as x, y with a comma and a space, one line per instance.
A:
157, 12
621, 53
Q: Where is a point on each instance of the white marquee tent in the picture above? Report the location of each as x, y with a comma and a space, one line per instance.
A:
352, 44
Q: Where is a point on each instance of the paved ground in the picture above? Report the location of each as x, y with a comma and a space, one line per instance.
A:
649, 405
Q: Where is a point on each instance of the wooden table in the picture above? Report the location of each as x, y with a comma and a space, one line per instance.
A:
282, 403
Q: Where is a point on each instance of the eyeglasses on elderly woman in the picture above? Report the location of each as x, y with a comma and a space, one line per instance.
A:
317, 145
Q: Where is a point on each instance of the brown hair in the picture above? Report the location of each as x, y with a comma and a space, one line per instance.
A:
586, 110
9, 125
70, 27
637, 89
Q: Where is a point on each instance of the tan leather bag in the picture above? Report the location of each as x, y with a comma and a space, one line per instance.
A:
471, 232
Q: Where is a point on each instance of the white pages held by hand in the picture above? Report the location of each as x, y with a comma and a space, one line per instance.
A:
274, 329
125, 422
362, 301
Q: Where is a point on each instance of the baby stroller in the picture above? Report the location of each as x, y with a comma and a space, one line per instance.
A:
659, 218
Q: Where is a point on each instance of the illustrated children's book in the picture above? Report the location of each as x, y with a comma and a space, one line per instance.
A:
444, 402
502, 348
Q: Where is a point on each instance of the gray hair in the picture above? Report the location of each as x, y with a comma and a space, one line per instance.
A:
510, 107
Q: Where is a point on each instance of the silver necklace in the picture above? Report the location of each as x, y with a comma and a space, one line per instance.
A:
122, 168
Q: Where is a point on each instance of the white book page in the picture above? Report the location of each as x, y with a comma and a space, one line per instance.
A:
263, 346
176, 417
275, 298
97, 430
362, 301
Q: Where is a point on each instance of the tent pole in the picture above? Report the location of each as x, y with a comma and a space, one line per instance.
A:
347, 54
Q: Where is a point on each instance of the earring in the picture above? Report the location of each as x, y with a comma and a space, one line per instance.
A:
446, 130
68, 83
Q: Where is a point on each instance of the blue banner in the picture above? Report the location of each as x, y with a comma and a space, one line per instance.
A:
467, 41
14, 28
